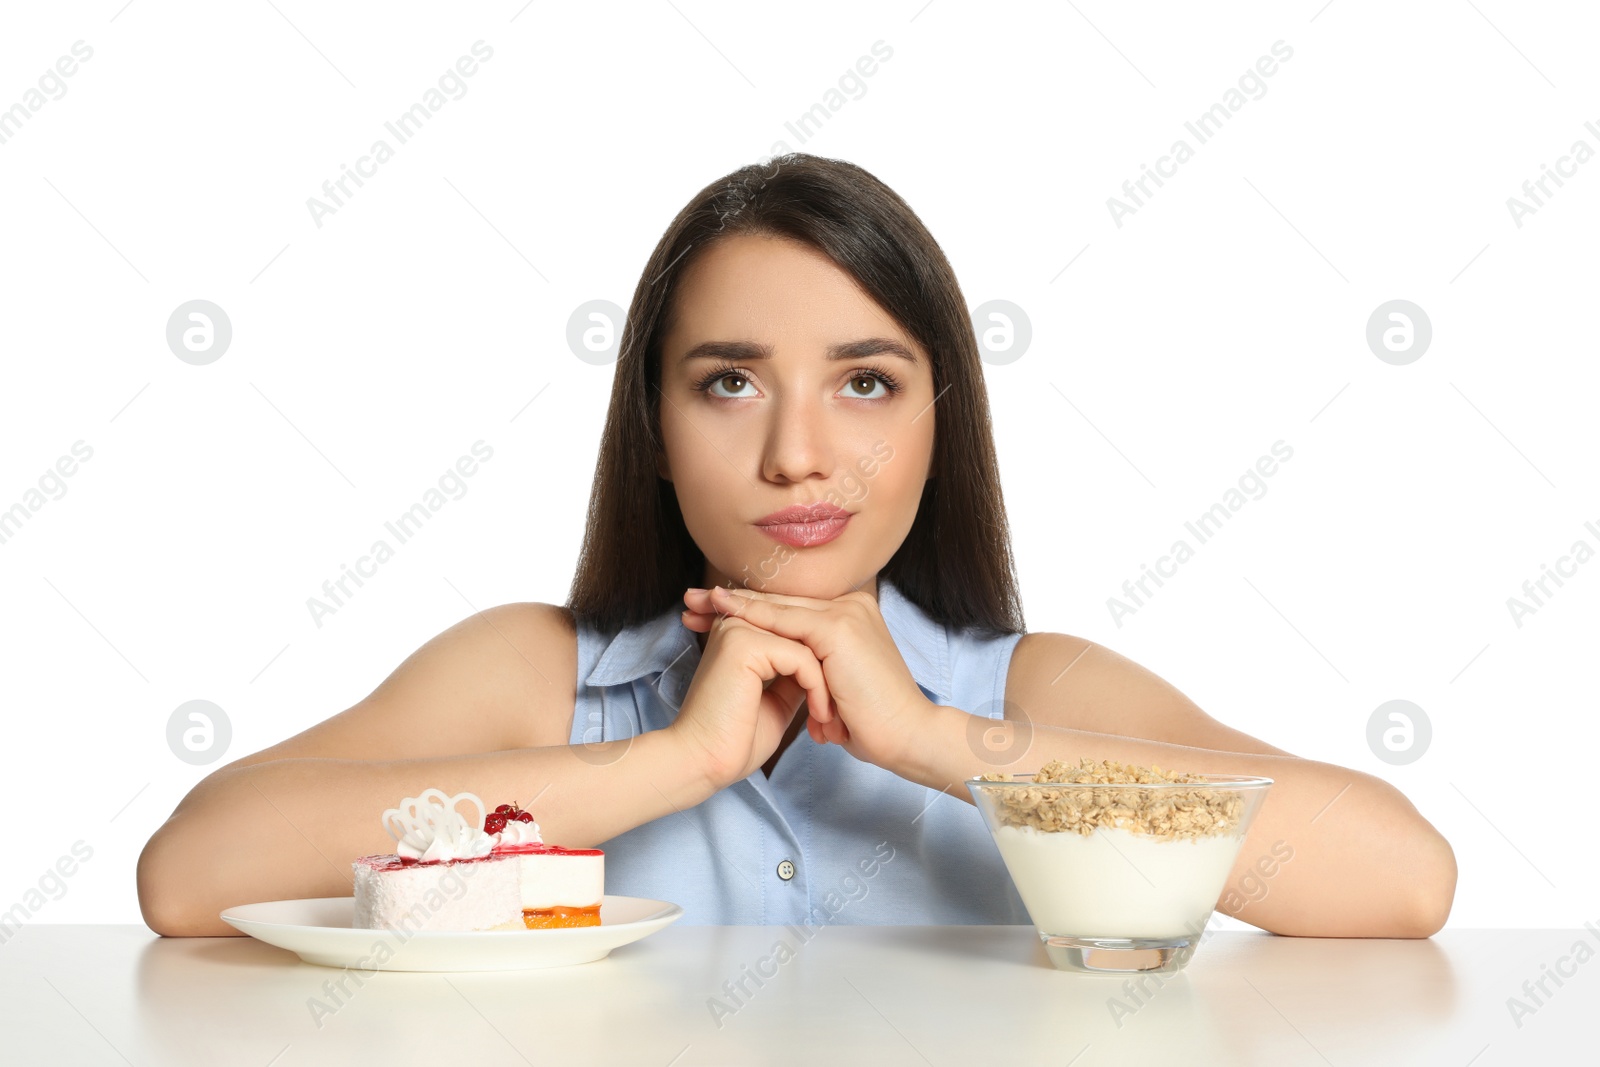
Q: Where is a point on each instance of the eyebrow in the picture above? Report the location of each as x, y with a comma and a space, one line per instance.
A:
753, 350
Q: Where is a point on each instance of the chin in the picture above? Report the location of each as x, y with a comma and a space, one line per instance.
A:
785, 583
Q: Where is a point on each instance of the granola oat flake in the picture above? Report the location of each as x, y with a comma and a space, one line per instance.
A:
1164, 813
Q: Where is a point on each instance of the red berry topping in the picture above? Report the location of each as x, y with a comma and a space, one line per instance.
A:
524, 816
494, 823
504, 809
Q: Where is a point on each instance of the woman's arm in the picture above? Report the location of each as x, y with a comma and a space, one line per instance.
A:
485, 706
286, 829
1364, 862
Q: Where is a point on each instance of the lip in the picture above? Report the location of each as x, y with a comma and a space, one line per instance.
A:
805, 525
804, 513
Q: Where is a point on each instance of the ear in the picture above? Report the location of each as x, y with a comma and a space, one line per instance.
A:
661, 467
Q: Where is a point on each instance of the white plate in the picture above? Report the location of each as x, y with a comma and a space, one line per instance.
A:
318, 930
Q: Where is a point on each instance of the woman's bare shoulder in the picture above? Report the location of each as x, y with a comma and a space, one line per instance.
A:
1038, 664
501, 678
510, 669
526, 654
1065, 680
1062, 680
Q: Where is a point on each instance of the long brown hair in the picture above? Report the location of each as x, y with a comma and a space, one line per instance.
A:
637, 557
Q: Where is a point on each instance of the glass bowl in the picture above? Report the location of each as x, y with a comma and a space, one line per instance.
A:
1119, 878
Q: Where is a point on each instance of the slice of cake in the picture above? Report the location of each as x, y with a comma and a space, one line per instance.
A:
560, 886
443, 874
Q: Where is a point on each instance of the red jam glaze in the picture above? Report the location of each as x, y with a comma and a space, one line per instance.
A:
392, 862
536, 848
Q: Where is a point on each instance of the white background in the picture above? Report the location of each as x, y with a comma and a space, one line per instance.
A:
1168, 354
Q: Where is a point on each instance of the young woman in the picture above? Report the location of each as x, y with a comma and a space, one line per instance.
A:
796, 522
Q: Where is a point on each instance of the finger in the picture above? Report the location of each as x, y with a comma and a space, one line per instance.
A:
798, 623
814, 728
820, 707
700, 602
794, 697
837, 732
712, 602
815, 603
704, 599
713, 599
790, 658
698, 621
819, 702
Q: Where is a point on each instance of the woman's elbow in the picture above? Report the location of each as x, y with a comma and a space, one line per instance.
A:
171, 899
1414, 865
158, 903
1434, 890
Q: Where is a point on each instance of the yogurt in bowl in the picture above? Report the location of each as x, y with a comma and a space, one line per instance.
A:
1120, 866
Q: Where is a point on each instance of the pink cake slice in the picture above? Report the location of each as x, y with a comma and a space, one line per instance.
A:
489, 871
443, 874
408, 895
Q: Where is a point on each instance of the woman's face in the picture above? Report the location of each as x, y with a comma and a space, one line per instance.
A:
756, 417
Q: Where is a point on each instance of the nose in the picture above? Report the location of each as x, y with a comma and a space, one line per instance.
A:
799, 444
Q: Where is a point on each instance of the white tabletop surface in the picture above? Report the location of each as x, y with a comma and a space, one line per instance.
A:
883, 995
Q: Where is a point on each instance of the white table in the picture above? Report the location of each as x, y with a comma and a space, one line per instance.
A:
884, 995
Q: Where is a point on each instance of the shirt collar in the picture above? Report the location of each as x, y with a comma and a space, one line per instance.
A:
664, 642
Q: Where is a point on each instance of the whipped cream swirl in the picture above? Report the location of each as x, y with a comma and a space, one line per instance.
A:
428, 828
520, 833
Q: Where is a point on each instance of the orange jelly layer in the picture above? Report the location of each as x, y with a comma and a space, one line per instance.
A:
551, 918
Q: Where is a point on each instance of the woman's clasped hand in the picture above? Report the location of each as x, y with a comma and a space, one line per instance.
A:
867, 702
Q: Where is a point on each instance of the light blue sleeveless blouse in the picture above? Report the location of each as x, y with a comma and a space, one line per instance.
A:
829, 839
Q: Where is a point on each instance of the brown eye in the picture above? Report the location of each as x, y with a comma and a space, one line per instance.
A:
719, 377
890, 386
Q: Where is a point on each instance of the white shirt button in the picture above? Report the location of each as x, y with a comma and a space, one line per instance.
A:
786, 870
